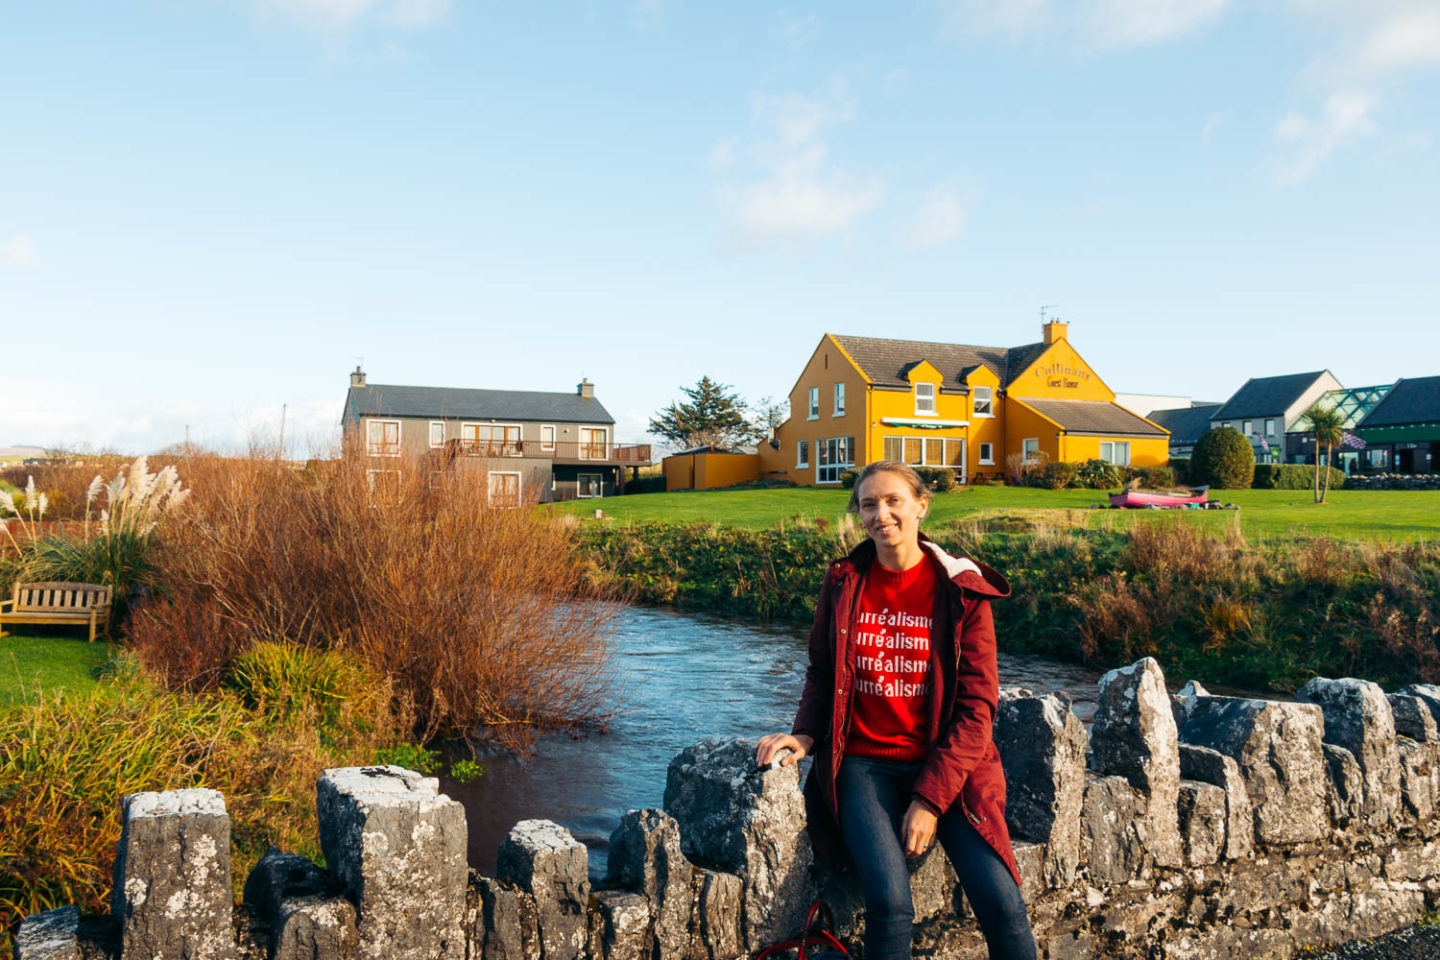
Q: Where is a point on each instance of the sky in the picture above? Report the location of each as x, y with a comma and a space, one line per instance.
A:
212, 210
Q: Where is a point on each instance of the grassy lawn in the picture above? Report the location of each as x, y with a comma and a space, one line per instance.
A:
1348, 514
30, 664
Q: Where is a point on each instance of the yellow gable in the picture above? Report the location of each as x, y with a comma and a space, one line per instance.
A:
924, 372
1060, 374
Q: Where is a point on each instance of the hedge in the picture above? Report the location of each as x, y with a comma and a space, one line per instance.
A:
1293, 476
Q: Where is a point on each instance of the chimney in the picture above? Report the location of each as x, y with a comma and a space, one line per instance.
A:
1054, 331
585, 388
357, 379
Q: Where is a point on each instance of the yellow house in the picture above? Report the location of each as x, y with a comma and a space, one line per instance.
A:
861, 399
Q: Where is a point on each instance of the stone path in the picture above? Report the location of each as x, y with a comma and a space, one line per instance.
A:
1412, 943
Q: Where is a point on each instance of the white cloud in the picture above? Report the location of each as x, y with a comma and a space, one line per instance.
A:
940, 218
1405, 38
1347, 118
18, 251
794, 29
1097, 24
794, 189
1211, 122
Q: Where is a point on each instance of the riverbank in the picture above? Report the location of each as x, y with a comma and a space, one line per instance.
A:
1215, 605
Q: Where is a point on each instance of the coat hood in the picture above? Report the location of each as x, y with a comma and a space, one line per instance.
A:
964, 572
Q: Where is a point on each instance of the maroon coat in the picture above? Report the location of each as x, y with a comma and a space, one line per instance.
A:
963, 765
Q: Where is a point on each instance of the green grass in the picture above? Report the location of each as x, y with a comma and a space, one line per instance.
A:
31, 665
1348, 514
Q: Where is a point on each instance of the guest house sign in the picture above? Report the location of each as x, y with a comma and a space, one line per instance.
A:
1062, 376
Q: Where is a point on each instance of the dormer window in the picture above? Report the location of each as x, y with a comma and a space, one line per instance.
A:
925, 399
984, 399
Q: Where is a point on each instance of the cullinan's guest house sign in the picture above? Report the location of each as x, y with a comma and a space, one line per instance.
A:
1059, 375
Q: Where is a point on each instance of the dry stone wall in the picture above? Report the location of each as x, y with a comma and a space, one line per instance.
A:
1187, 826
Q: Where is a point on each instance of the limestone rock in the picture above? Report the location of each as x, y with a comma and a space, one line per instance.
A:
624, 925
545, 861
736, 818
172, 877
1134, 736
1111, 831
1345, 785
52, 935
1277, 748
1202, 821
1413, 718
1180, 701
501, 921
1210, 766
1358, 718
645, 856
719, 906
1042, 747
1417, 781
1429, 694
932, 884
303, 907
397, 847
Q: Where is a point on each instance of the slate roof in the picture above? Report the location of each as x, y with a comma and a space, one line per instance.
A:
885, 362
1093, 417
1415, 400
388, 400
1267, 396
1186, 424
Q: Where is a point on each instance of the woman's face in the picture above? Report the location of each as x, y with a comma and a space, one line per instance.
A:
889, 509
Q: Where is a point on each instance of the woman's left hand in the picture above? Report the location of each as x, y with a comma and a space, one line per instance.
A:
918, 830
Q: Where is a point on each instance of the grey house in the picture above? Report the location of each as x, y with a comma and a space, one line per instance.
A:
1186, 425
531, 444
1267, 410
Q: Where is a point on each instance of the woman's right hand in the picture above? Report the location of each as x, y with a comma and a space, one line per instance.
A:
798, 745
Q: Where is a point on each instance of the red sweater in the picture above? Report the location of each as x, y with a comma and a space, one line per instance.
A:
892, 664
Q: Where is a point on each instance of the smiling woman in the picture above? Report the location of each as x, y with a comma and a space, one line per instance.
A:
900, 727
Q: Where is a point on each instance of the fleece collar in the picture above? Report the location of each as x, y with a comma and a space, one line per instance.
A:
964, 572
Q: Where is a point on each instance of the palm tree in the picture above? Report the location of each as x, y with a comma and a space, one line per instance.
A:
1328, 426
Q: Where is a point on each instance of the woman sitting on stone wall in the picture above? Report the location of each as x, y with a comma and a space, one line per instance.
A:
900, 728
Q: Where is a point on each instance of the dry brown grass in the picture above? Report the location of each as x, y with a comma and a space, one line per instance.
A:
478, 613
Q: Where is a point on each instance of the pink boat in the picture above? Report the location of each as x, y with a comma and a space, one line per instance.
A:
1144, 498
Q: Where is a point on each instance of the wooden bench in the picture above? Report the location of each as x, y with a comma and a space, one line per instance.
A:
67, 604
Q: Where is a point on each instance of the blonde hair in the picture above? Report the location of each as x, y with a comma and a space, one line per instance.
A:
903, 470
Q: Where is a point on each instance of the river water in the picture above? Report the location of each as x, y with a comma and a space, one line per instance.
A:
682, 677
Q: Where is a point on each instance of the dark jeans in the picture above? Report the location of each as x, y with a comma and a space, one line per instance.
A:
874, 795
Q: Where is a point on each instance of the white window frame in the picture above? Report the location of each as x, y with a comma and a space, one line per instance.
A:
823, 454
987, 461
1247, 427
1029, 449
587, 445
433, 425
489, 425
839, 409
928, 392
374, 472
989, 398
1118, 448
802, 454
947, 446
371, 444
490, 488
1269, 426
550, 446
580, 479
814, 408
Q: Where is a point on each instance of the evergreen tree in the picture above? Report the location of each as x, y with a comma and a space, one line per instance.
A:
1328, 426
714, 416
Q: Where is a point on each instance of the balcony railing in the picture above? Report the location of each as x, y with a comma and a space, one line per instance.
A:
563, 451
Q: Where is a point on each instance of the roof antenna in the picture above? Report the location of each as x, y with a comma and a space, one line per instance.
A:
1047, 307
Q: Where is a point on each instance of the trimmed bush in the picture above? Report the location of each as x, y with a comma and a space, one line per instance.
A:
1151, 478
1098, 475
1223, 459
1293, 476
848, 478
655, 484
939, 479
1057, 475
1180, 468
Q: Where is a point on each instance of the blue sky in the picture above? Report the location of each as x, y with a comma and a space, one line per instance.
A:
209, 208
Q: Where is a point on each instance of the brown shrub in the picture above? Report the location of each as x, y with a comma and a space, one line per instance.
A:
480, 613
